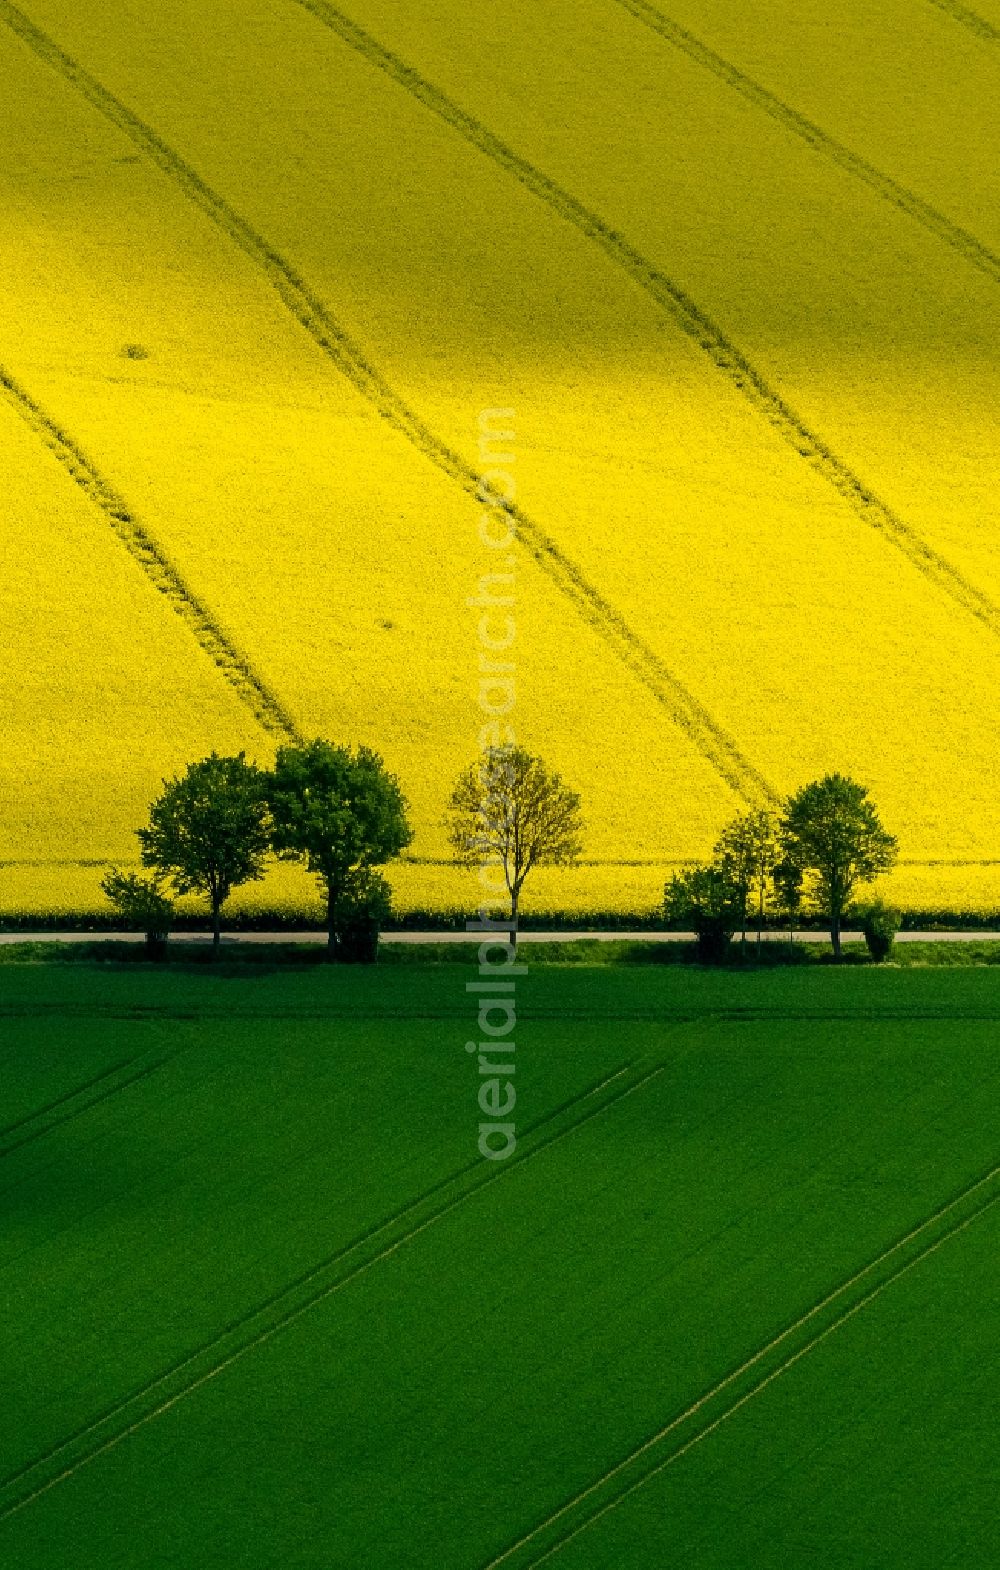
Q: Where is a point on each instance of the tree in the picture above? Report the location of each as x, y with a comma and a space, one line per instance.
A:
209, 831
733, 858
511, 810
832, 829
788, 880
144, 907
748, 850
708, 900
342, 813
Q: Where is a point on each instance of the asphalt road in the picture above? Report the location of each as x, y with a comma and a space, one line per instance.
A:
964, 936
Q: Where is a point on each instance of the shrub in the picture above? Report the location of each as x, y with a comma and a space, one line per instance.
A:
706, 900
144, 908
361, 913
879, 924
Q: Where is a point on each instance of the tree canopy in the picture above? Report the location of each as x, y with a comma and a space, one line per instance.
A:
143, 905
747, 850
510, 809
709, 901
831, 829
342, 813
209, 831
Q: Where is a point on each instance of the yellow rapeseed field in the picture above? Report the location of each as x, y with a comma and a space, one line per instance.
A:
100, 688
265, 265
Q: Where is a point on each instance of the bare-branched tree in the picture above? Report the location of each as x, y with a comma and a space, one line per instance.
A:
510, 810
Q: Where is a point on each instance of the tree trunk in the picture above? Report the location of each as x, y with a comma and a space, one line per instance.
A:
331, 920
515, 896
835, 934
216, 923
760, 916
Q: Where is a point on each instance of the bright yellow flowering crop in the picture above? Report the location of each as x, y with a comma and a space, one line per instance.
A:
267, 281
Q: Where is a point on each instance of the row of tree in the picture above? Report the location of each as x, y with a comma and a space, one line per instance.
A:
812, 855
337, 811
343, 815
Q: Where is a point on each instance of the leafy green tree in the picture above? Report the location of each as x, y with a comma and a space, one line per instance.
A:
510, 809
144, 907
209, 831
707, 900
789, 891
832, 829
748, 850
341, 813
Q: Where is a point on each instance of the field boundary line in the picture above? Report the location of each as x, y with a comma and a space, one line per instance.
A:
683, 708
692, 320
756, 1358
447, 861
149, 556
296, 1310
892, 191
970, 19
691, 1015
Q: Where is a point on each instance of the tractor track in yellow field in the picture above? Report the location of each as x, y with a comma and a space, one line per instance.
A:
231, 663
693, 321
682, 707
971, 19
890, 190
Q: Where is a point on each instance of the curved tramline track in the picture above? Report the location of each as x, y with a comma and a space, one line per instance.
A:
891, 191
683, 708
231, 663
686, 313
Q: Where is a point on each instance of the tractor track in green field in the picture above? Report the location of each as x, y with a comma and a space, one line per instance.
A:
891, 191
66, 1113
624, 1471
283, 1309
681, 706
970, 19
694, 322
69, 1095
800, 1186
233, 665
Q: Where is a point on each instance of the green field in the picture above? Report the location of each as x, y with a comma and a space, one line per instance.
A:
731, 1304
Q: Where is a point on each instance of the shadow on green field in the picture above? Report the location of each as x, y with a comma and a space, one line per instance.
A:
237, 958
